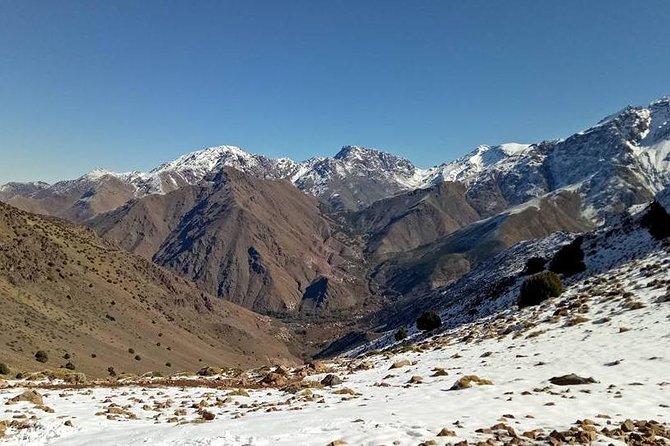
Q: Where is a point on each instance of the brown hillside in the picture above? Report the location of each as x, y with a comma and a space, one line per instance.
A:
260, 243
67, 292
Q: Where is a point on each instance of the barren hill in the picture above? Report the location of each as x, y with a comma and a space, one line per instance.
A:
67, 292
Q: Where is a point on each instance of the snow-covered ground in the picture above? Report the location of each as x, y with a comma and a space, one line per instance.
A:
613, 327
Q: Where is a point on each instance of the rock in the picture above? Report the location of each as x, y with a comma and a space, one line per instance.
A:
208, 371
401, 363
467, 381
628, 426
30, 396
439, 371
207, 416
365, 365
274, 379
337, 443
68, 423
570, 380
331, 380
416, 379
317, 366
446, 433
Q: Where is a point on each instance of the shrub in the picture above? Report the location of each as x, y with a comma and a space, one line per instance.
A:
428, 321
401, 334
534, 265
167, 364
41, 356
657, 221
569, 259
131, 350
138, 357
111, 371
538, 288
4, 370
66, 356
69, 366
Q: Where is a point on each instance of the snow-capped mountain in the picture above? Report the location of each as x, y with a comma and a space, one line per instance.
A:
622, 160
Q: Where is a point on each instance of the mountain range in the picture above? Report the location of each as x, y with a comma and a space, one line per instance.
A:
340, 240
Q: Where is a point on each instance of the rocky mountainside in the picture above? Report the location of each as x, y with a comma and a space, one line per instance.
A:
329, 234
72, 295
494, 284
257, 242
622, 160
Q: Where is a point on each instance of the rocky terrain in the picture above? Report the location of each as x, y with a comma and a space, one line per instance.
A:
545, 374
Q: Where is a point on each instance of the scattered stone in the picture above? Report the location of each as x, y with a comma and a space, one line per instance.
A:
400, 364
331, 380
416, 379
274, 379
467, 381
570, 380
30, 396
446, 433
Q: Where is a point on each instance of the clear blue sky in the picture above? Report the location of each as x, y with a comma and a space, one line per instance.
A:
128, 84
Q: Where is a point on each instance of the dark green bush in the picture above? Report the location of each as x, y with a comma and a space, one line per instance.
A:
4, 370
534, 265
428, 321
400, 334
41, 356
569, 260
538, 288
657, 221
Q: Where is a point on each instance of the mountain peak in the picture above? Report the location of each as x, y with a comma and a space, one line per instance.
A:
348, 152
205, 159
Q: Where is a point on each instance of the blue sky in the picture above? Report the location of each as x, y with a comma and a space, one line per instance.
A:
129, 84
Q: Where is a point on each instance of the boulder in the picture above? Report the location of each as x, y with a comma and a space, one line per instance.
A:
401, 363
331, 380
467, 381
30, 396
570, 380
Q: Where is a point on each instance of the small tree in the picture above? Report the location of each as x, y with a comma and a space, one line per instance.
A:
569, 260
538, 288
534, 265
657, 221
428, 321
400, 334
41, 356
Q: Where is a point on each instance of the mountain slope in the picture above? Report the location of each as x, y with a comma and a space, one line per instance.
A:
519, 391
66, 291
260, 243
